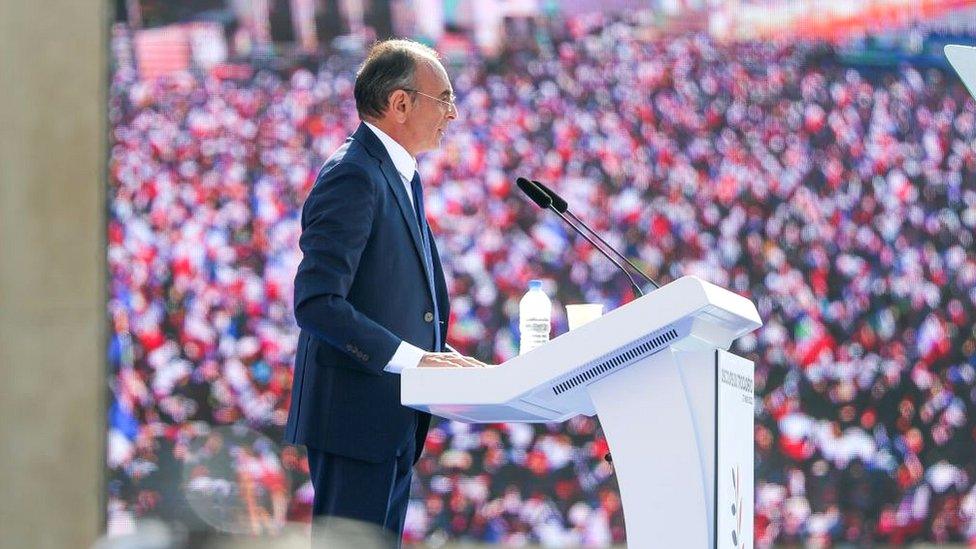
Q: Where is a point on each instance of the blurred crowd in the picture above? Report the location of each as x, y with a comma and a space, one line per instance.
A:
840, 200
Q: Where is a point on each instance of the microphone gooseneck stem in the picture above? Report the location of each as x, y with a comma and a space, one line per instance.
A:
600, 249
559, 204
612, 249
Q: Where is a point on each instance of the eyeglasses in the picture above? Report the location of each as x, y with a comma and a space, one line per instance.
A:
451, 102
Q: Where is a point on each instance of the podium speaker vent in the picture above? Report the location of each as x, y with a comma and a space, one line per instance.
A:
639, 350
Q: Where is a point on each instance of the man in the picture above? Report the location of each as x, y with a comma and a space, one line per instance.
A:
370, 295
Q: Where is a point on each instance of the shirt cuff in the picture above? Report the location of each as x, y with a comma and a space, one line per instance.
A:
406, 356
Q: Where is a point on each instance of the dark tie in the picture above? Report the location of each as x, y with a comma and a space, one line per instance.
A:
418, 205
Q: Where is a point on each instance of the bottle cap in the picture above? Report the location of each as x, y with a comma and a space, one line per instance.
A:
535, 284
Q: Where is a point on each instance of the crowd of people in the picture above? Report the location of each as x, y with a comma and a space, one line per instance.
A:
840, 200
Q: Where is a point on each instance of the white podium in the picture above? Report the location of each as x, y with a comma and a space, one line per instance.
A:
676, 407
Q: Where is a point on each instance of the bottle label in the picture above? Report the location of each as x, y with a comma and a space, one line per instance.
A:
534, 332
536, 326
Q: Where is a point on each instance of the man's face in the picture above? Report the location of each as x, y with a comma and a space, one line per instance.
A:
431, 109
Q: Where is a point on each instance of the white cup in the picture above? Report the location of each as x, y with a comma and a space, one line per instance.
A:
578, 315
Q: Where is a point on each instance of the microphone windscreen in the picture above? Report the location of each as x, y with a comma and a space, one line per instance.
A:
534, 193
557, 201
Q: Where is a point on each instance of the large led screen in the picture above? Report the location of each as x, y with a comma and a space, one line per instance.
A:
816, 159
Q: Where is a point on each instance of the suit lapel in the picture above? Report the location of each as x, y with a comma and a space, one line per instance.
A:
376, 149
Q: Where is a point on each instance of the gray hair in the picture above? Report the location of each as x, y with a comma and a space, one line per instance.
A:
390, 65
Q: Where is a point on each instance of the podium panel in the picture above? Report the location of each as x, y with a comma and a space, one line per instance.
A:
735, 462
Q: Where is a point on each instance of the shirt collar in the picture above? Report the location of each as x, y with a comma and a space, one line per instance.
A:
404, 163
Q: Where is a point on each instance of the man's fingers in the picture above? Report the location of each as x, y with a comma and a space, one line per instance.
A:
471, 361
450, 360
442, 362
460, 362
439, 360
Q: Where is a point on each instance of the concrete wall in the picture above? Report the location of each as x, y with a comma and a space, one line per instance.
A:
52, 322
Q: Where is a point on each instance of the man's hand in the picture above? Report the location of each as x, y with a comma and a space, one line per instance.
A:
449, 360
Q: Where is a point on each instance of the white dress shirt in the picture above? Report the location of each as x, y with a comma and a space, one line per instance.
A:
406, 355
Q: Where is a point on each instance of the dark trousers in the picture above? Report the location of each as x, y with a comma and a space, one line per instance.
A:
374, 495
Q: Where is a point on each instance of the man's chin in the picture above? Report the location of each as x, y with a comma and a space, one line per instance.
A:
435, 144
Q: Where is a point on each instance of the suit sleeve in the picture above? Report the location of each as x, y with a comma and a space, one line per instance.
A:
336, 224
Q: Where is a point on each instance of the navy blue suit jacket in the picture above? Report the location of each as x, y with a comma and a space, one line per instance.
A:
360, 289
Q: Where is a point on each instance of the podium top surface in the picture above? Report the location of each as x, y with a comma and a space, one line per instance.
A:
688, 311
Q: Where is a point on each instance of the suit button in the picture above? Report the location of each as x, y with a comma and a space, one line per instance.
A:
428, 317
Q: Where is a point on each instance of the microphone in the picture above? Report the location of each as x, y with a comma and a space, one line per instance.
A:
544, 201
563, 207
534, 193
557, 201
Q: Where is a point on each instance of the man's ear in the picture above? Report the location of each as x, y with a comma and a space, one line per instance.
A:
399, 104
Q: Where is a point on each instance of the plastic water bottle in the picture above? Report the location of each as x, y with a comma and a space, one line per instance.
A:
535, 318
